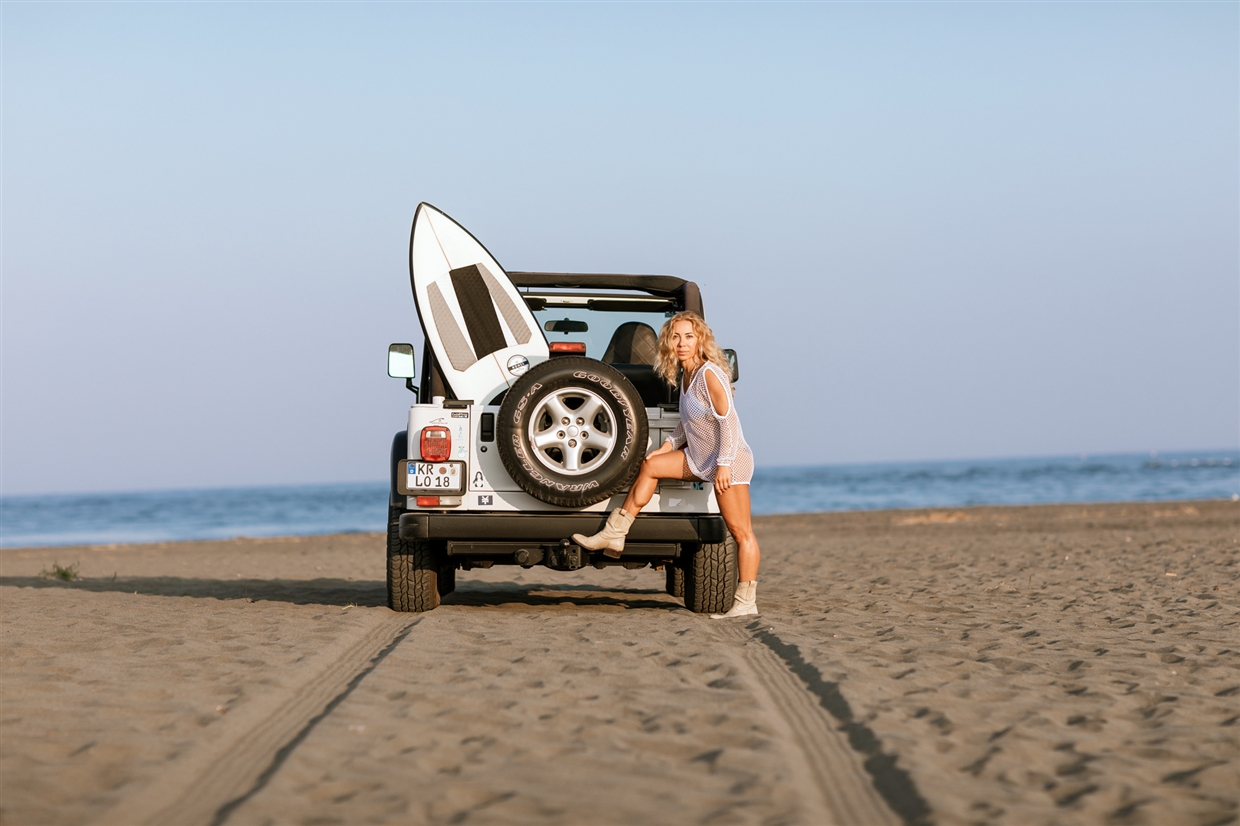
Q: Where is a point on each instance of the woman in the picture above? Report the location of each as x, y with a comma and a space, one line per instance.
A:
707, 446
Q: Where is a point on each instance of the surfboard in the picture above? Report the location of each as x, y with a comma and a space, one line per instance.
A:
476, 322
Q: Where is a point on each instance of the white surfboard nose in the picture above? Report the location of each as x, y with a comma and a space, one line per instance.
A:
474, 318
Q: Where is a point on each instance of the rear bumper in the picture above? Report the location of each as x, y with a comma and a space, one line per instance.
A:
553, 527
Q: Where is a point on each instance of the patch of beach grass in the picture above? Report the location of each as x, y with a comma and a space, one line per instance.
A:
57, 572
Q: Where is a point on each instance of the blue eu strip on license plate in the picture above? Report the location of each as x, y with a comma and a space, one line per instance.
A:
434, 476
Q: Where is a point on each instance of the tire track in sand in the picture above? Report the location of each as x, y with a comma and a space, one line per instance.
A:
818, 726
207, 784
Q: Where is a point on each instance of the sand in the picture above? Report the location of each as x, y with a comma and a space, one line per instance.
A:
1043, 665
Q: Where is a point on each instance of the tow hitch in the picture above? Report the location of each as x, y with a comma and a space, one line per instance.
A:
563, 557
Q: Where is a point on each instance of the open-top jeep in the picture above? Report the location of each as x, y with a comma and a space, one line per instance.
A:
538, 401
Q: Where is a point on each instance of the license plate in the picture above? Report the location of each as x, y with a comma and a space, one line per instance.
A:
434, 477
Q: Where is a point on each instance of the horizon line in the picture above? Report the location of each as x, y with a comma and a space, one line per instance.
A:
1081, 456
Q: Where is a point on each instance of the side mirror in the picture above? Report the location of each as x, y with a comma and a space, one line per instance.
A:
732, 363
400, 361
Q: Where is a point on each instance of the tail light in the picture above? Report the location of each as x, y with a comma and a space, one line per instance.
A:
568, 347
428, 501
435, 444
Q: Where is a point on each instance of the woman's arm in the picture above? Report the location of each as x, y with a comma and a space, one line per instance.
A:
719, 399
677, 439
718, 396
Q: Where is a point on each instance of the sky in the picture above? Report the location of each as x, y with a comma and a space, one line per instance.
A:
931, 230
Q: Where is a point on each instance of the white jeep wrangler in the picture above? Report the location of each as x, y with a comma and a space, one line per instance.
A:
538, 401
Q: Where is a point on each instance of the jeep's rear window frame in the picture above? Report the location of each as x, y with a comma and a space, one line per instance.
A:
685, 294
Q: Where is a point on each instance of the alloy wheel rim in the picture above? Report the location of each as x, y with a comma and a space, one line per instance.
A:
572, 431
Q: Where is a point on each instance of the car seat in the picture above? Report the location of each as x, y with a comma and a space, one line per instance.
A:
632, 343
632, 351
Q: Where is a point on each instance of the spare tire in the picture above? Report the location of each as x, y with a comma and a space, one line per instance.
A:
572, 431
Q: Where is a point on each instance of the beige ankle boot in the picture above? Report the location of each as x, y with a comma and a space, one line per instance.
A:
611, 538
746, 604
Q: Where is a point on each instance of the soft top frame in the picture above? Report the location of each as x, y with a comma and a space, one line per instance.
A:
685, 293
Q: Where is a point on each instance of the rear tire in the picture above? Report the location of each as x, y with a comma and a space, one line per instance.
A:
710, 576
413, 570
675, 580
447, 577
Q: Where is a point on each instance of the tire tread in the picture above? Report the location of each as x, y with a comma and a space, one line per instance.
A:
710, 577
413, 571
675, 580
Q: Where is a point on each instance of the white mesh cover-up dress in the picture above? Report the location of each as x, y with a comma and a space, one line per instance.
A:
708, 439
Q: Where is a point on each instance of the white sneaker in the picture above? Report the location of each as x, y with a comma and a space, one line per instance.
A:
746, 604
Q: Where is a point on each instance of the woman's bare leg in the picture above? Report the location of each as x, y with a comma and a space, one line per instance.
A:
734, 505
655, 467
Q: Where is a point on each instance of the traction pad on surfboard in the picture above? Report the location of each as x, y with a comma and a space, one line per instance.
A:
479, 295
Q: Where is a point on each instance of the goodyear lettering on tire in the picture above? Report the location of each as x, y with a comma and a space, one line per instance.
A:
629, 424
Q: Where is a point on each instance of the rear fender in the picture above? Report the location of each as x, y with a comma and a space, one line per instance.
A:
400, 450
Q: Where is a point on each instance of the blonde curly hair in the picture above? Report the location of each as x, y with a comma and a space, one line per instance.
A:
668, 366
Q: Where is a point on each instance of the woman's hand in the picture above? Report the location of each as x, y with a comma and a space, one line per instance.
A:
661, 449
723, 478
666, 447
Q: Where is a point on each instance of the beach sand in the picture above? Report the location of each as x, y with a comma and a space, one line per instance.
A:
1039, 665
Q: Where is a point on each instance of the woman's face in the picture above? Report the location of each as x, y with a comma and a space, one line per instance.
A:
684, 341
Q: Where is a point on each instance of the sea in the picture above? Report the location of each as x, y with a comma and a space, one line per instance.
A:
221, 513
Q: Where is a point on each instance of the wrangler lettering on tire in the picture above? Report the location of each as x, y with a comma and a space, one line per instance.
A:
568, 431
